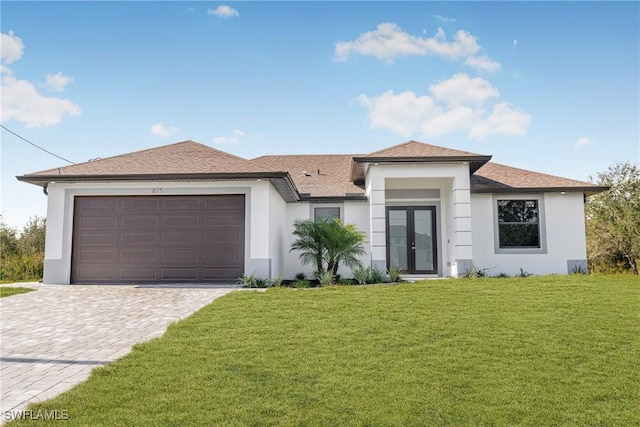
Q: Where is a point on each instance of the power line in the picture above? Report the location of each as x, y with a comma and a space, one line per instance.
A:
35, 145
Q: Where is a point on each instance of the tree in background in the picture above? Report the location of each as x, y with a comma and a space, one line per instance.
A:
22, 255
613, 220
327, 243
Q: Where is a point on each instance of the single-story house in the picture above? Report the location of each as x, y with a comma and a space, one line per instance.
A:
187, 212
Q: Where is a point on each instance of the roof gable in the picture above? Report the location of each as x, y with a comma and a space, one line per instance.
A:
419, 149
187, 157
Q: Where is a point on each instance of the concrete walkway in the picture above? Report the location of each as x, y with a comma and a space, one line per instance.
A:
51, 339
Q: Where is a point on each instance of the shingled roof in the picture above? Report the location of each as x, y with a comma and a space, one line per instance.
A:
187, 157
316, 175
299, 177
419, 149
494, 177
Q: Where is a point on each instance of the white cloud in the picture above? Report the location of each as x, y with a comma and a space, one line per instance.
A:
457, 104
388, 42
444, 18
159, 129
402, 113
504, 120
582, 141
235, 136
224, 11
482, 63
57, 82
515, 42
21, 101
11, 47
461, 89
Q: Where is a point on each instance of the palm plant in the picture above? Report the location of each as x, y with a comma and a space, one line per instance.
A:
327, 243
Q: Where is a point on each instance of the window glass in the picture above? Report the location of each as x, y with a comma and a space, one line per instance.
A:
326, 213
518, 224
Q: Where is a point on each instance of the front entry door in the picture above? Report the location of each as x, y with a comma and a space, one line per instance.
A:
411, 239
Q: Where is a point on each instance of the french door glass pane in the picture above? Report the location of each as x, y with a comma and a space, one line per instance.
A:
398, 239
423, 238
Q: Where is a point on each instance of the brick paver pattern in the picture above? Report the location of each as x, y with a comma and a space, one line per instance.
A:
52, 338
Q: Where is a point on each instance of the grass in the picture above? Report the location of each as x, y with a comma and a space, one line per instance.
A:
518, 351
7, 291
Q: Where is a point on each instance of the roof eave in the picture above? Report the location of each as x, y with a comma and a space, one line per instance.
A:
281, 181
475, 162
512, 190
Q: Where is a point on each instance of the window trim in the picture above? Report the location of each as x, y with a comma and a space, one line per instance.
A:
541, 225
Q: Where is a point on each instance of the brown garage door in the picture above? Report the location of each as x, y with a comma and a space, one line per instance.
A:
158, 239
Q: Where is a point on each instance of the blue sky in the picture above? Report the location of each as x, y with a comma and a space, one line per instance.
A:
551, 87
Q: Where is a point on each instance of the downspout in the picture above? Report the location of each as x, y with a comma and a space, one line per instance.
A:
45, 189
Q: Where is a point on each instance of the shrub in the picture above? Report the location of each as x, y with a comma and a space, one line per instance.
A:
325, 279
247, 281
361, 274
276, 282
300, 283
300, 276
523, 273
377, 276
394, 274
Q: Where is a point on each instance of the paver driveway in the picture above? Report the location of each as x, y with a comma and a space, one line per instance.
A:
51, 338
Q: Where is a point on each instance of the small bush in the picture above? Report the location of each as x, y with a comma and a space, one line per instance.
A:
247, 281
300, 283
394, 274
344, 282
477, 272
277, 282
325, 279
377, 276
361, 274
523, 273
300, 276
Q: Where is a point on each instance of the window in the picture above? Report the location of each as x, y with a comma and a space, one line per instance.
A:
326, 213
518, 223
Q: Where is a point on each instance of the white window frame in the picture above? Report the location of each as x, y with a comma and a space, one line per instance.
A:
541, 225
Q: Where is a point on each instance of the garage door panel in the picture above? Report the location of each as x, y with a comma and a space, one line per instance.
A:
98, 255
180, 256
228, 220
180, 238
98, 239
138, 255
156, 239
221, 236
137, 239
181, 222
98, 222
223, 255
231, 203
181, 204
136, 205
179, 273
96, 205
138, 273
139, 222
92, 273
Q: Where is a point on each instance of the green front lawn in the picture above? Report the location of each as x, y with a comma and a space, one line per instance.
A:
534, 351
7, 291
